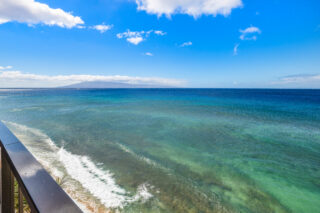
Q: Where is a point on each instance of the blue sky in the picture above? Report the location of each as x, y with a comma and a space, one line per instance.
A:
190, 43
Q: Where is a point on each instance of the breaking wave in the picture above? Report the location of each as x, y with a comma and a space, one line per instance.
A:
87, 184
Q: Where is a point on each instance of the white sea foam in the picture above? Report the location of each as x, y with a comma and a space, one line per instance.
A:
98, 182
26, 108
142, 158
143, 193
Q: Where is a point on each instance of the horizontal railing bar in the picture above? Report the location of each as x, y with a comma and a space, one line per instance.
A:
41, 191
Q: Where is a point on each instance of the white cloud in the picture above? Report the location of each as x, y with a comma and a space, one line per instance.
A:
135, 40
128, 34
251, 30
3, 20
250, 33
193, 8
299, 78
102, 27
20, 79
148, 54
186, 44
5, 68
136, 37
298, 81
159, 32
235, 49
32, 12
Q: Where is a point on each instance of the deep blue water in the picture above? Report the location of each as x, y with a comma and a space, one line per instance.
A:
176, 150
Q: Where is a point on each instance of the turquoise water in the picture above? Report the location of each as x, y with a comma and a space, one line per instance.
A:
175, 150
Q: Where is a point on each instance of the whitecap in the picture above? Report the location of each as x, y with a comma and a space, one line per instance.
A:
100, 183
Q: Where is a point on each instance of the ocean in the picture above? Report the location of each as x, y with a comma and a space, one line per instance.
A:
174, 150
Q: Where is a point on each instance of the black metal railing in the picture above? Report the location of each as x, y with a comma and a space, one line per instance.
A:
25, 185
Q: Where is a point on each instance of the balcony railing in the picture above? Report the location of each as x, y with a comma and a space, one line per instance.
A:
36, 190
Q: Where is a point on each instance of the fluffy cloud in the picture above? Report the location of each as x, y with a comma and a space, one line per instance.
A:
133, 37
135, 40
32, 12
148, 54
20, 79
193, 8
186, 44
250, 33
5, 68
159, 32
102, 27
136, 37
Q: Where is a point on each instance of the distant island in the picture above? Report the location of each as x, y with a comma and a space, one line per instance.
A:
106, 85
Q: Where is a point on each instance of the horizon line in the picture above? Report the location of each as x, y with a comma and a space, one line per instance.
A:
60, 88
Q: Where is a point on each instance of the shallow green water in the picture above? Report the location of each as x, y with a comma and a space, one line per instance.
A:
178, 150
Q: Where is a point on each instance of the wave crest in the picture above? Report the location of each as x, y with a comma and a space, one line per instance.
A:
77, 169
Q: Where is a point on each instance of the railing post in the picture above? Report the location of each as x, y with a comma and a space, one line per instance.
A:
7, 205
20, 200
